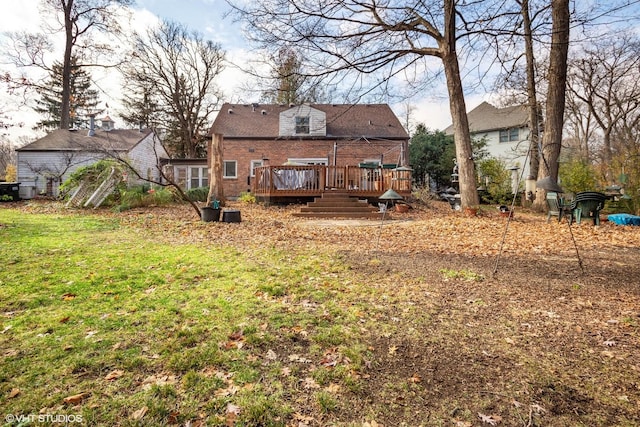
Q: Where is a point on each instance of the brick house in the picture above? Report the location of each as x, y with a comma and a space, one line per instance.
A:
323, 135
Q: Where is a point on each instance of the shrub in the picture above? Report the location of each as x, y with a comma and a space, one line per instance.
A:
145, 195
247, 198
199, 194
576, 176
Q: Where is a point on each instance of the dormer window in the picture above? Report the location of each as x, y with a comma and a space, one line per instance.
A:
302, 125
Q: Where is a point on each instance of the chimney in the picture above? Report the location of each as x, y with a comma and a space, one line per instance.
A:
92, 125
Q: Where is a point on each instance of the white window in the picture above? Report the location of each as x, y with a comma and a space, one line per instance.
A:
181, 177
198, 177
302, 125
230, 169
255, 164
509, 135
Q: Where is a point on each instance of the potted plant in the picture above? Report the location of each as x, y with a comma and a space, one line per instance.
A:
471, 210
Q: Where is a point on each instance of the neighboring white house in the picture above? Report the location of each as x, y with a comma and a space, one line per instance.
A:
506, 131
47, 162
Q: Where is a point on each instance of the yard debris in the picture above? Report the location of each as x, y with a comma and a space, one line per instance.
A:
139, 414
492, 420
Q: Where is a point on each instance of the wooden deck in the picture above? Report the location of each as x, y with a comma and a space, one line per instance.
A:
308, 181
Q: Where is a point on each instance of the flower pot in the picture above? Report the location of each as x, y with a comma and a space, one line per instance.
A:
470, 211
209, 214
506, 214
402, 208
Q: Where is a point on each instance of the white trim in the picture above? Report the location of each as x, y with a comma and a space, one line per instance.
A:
224, 169
253, 164
309, 161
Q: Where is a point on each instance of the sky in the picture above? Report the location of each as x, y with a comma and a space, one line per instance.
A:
208, 18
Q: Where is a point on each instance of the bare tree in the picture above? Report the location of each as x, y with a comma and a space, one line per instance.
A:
381, 42
78, 20
287, 83
7, 155
605, 79
556, 94
173, 70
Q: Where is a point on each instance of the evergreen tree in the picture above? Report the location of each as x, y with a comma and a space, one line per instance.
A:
83, 98
431, 153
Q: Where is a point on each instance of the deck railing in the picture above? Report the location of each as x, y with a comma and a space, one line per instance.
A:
310, 180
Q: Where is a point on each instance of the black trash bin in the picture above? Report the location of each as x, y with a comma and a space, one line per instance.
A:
231, 215
9, 191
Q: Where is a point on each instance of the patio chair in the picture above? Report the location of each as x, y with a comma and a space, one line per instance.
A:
588, 204
556, 207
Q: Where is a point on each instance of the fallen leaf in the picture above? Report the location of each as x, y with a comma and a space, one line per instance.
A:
68, 296
114, 375
459, 423
392, 350
14, 392
64, 319
271, 355
415, 379
309, 383
609, 343
538, 409
6, 328
492, 420
140, 413
75, 399
333, 388
286, 371
228, 391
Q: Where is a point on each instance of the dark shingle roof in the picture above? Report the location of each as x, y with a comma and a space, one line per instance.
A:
485, 117
78, 140
343, 121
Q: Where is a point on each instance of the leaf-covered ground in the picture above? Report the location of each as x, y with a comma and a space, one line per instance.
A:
466, 321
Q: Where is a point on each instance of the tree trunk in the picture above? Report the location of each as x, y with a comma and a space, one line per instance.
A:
461, 134
554, 120
65, 107
534, 131
216, 164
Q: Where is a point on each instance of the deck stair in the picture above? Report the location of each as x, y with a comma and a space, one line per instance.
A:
334, 204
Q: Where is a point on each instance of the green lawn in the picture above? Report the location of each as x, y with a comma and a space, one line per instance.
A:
121, 322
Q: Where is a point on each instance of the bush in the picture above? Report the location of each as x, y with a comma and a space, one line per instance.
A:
247, 198
576, 176
497, 181
145, 195
199, 194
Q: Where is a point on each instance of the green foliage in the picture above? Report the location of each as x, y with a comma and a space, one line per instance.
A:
431, 153
247, 198
497, 181
6, 198
95, 172
199, 194
577, 175
145, 195
82, 99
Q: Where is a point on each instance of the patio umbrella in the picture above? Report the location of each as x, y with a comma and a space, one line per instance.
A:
548, 184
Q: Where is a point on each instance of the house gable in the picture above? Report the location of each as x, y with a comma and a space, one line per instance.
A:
302, 121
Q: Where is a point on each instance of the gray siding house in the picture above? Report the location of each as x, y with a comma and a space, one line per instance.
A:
506, 131
47, 162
